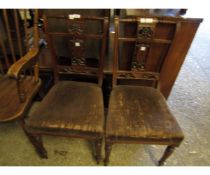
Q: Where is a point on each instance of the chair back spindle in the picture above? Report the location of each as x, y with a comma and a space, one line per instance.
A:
17, 27
14, 40
8, 29
18, 86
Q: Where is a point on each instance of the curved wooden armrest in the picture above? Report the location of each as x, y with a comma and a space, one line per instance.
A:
26, 61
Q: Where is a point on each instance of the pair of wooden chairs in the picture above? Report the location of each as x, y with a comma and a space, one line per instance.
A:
19, 72
136, 114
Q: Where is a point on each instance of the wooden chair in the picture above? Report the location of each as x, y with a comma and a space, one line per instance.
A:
17, 86
72, 108
139, 114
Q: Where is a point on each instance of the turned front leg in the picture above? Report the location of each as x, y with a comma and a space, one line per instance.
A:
108, 147
38, 144
36, 141
169, 150
98, 145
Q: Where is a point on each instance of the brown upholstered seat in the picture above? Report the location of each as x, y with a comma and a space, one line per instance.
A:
141, 112
69, 107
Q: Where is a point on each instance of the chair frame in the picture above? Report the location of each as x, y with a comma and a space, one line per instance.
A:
36, 138
137, 73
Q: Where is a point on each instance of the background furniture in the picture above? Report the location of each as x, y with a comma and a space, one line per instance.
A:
18, 83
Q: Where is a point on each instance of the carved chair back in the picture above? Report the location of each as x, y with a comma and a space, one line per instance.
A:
79, 40
18, 48
141, 46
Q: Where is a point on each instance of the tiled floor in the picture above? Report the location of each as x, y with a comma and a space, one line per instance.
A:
189, 101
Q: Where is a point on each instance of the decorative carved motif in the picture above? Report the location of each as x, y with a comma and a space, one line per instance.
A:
140, 55
79, 70
77, 50
76, 27
145, 33
139, 75
77, 43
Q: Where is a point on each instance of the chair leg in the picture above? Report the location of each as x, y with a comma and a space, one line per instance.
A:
108, 148
36, 141
98, 145
168, 151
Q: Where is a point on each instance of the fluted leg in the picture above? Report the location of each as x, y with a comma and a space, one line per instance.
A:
108, 148
169, 150
98, 145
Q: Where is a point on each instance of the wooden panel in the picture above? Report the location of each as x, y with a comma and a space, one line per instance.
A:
177, 53
156, 57
164, 31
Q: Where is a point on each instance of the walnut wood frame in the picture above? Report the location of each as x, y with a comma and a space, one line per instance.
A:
185, 31
89, 71
36, 137
139, 75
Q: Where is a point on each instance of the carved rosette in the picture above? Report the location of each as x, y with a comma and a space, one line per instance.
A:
76, 29
145, 31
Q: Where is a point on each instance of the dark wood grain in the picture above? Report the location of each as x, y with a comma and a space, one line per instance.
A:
73, 109
177, 54
169, 46
139, 114
16, 89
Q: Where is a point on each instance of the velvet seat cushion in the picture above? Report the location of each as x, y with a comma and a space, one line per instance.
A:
69, 108
141, 113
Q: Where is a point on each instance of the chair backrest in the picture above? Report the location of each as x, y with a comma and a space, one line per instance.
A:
59, 25
14, 37
141, 46
78, 38
152, 12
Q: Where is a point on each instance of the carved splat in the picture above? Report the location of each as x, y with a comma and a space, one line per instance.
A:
76, 26
77, 50
77, 43
145, 31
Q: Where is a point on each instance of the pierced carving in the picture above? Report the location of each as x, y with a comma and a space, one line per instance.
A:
145, 33
79, 70
139, 75
77, 50
77, 43
140, 55
76, 27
